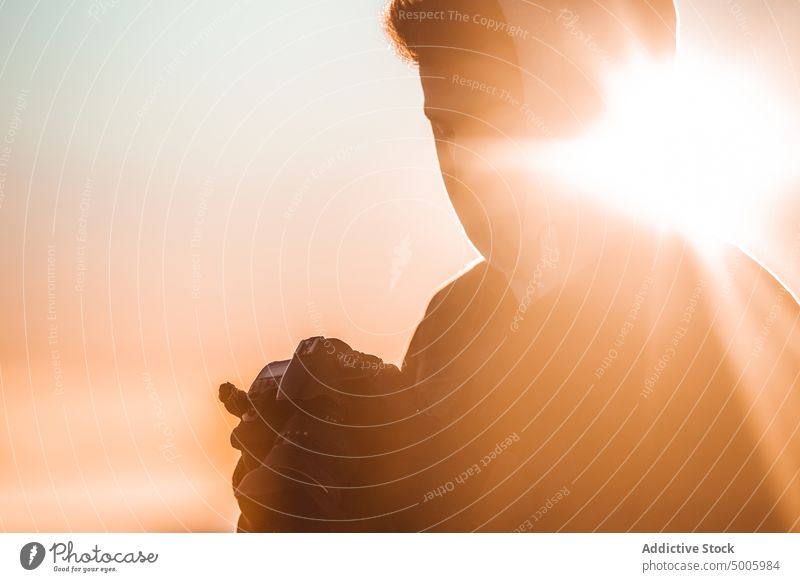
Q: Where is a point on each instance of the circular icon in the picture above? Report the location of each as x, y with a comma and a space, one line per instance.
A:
31, 555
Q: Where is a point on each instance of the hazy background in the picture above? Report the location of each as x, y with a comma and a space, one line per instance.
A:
187, 190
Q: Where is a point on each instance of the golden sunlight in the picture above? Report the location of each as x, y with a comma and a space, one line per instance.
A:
696, 145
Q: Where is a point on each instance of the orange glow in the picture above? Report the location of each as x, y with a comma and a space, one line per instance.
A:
698, 145
188, 191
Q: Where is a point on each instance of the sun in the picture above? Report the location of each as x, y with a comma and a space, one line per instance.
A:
696, 144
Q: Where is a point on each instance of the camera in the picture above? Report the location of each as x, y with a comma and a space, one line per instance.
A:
308, 429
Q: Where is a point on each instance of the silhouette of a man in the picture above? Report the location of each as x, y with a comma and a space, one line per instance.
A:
592, 373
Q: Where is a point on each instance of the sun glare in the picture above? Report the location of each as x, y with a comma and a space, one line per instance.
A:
697, 145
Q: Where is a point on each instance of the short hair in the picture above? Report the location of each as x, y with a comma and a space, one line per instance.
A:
414, 28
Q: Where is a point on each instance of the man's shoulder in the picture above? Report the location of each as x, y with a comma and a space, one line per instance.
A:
721, 295
467, 279
675, 259
460, 301
445, 311
732, 269
466, 286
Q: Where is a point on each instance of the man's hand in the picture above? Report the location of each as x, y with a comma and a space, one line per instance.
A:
236, 401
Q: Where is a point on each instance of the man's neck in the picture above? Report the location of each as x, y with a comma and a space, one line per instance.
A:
554, 250
541, 269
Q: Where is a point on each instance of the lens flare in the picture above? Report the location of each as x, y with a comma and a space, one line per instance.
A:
697, 145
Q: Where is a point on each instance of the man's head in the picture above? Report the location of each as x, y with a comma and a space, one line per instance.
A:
498, 75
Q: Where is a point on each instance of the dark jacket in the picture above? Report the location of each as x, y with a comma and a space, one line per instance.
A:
655, 389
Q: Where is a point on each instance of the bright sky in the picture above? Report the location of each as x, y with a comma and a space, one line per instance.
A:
188, 189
